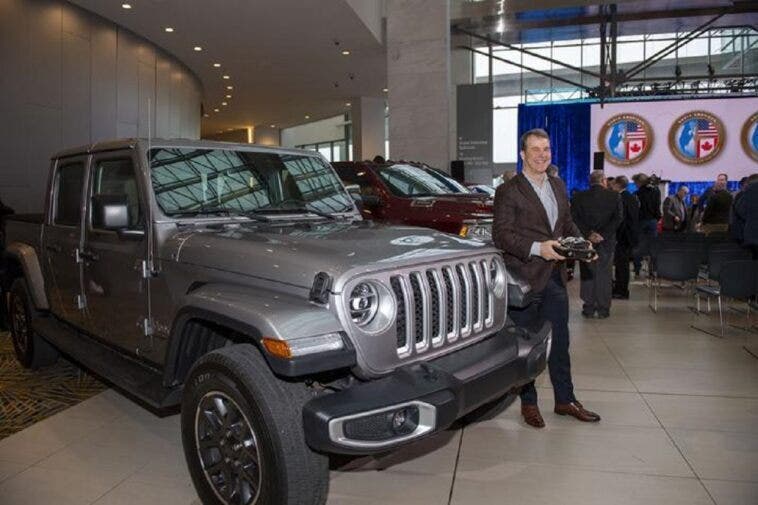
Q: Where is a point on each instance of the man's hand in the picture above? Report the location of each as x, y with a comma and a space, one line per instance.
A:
595, 237
547, 252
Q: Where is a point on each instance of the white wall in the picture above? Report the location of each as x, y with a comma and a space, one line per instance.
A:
69, 78
324, 130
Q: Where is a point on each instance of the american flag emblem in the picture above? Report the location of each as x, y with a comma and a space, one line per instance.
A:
707, 138
636, 140
625, 138
696, 137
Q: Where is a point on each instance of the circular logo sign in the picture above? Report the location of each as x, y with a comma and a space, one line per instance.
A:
696, 137
412, 240
749, 136
626, 139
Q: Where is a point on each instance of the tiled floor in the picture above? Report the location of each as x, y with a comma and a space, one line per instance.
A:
680, 426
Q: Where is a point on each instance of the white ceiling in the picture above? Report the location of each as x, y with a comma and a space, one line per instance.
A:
280, 55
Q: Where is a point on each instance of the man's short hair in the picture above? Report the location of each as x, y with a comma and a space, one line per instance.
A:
640, 179
621, 181
685, 188
534, 132
726, 177
597, 177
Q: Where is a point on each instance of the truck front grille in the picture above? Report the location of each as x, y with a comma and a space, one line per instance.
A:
440, 305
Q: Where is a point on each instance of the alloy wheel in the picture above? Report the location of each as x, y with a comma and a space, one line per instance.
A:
20, 325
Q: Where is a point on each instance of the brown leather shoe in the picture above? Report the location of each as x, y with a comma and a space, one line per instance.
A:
575, 409
532, 416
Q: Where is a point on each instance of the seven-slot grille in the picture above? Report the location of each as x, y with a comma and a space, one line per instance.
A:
442, 304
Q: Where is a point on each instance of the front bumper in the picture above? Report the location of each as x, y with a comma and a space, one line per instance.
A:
434, 393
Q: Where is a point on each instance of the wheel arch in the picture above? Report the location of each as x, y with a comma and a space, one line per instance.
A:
22, 261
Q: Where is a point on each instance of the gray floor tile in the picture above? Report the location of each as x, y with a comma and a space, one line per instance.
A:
485, 482
719, 454
37, 486
706, 412
400, 488
8, 470
131, 492
732, 493
686, 381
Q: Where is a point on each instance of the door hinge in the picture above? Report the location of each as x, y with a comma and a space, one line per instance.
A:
147, 327
81, 302
147, 270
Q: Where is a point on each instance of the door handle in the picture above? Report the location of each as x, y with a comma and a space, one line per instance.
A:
88, 255
54, 248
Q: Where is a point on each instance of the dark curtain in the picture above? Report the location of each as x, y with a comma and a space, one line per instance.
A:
569, 129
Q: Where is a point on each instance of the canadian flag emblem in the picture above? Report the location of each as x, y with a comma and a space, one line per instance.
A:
706, 146
634, 148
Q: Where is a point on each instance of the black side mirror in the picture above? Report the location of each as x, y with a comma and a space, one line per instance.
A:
110, 212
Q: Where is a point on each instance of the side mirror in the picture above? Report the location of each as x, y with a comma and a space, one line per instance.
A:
110, 212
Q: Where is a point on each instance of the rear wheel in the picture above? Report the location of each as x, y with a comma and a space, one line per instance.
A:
243, 436
32, 351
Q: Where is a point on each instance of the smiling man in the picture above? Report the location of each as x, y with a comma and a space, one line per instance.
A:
531, 213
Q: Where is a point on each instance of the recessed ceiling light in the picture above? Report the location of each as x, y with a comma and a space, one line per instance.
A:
217, 65
126, 6
272, 126
168, 29
224, 104
206, 115
348, 104
385, 89
198, 48
230, 129
228, 96
230, 87
345, 53
225, 77
307, 116
215, 110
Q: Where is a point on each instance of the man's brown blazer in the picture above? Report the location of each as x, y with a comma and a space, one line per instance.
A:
520, 220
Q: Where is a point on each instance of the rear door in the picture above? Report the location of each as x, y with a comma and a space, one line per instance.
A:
113, 282
62, 240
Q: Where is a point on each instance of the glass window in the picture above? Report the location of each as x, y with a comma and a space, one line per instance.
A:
410, 180
504, 133
116, 177
69, 180
326, 151
213, 181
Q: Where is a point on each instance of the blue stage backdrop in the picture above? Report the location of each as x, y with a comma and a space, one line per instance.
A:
569, 129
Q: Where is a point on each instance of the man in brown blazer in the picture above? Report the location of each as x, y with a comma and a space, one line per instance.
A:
531, 213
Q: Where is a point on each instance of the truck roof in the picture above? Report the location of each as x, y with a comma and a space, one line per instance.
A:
113, 145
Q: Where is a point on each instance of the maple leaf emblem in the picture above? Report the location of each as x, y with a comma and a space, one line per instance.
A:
707, 146
635, 148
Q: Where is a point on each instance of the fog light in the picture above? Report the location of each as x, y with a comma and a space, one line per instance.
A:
384, 425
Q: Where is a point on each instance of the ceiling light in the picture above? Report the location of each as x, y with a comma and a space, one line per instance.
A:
224, 104
215, 110
225, 77
168, 29
307, 116
217, 65
345, 53
228, 96
385, 90
126, 6
205, 115
230, 129
272, 126
348, 104
230, 87
198, 48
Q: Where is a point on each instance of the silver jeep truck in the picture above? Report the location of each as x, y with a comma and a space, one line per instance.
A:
240, 284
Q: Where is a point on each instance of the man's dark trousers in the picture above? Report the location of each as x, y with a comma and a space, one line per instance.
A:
550, 304
648, 234
621, 259
597, 279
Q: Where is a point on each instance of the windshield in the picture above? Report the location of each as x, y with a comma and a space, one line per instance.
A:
409, 180
196, 181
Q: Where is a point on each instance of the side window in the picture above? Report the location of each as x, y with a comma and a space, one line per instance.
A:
69, 180
349, 176
116, 177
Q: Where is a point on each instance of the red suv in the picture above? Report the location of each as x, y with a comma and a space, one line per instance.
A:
413, 194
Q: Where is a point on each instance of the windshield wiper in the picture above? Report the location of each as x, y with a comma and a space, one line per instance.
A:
302, 206
220, 211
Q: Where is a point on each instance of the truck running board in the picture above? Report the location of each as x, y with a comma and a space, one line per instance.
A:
139, 381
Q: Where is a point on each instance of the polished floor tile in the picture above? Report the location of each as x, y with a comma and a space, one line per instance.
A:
719, 454
706, 412
732, 493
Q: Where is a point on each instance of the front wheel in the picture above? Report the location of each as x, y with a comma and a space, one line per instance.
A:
32, 351
243, 436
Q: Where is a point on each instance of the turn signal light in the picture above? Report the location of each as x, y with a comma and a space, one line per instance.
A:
277, 348
464, 231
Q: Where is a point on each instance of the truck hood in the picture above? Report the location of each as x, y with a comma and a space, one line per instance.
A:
464, 205
295, 253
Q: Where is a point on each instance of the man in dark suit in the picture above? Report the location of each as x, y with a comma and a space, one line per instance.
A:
531, 213
650, 212
675, 211
627, 237
597, 212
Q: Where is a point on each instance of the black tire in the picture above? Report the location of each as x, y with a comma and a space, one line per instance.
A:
490, 410
289, 472
32, 351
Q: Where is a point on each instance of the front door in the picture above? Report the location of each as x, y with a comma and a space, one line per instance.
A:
113, 282
62, 240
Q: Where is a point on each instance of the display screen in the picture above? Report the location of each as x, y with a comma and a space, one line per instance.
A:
410, 180
197, 181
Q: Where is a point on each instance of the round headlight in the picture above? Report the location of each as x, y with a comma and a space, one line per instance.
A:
363, 303
497, 277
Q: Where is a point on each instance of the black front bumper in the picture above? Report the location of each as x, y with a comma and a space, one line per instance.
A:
451, 386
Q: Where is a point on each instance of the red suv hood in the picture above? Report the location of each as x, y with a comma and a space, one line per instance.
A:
473, 205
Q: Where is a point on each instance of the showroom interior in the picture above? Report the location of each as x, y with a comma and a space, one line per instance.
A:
284, 252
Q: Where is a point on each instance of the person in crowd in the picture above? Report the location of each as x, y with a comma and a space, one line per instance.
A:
378, 159
675, 210
531, 212
718, 185
627, 237
717, 206
744, 224
552, 171
650, 212
694, 214
598, 213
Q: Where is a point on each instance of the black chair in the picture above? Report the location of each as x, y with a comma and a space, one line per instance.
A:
738, 280
678, 264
